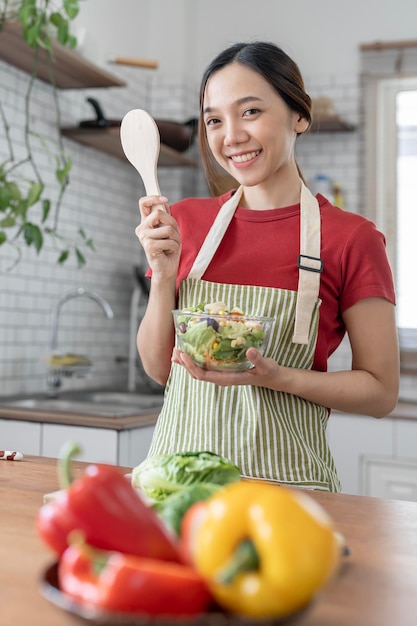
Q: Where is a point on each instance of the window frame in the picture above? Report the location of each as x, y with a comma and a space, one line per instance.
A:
381, 179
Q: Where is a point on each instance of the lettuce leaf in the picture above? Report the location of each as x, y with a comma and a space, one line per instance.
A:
159, 476
173, 508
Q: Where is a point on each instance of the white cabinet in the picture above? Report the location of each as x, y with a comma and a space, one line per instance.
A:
350, 438
390, 478
99, 445
25, 437
138, 445
405, 438
375, 457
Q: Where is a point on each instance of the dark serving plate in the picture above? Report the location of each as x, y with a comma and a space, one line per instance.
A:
50, 590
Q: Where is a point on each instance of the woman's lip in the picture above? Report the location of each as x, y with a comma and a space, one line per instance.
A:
244, 157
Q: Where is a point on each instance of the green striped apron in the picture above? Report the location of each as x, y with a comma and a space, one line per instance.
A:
269, 435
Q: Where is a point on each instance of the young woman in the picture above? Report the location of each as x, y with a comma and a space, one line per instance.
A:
320, 271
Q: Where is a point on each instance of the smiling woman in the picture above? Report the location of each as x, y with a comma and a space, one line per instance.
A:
270, 248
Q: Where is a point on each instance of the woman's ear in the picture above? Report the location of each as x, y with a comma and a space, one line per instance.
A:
301, 124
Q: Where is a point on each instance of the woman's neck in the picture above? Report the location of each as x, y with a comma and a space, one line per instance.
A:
272, 195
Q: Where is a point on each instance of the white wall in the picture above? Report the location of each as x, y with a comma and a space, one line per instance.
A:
323, 36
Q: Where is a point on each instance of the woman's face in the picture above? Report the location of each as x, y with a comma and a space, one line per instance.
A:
250, 130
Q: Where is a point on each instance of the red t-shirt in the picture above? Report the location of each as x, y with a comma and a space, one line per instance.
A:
262, 247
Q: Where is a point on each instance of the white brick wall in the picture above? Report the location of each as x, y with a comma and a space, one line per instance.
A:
103, 199
335, 154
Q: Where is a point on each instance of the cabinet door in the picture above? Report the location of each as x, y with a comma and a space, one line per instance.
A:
405, 438
390, 478
99, 445
351, 437
139, 443
24, 437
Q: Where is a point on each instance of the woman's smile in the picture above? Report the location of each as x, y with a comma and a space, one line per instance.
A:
244, 158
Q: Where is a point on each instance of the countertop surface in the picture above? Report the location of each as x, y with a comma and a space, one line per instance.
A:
403, 410
81, 413
376, 585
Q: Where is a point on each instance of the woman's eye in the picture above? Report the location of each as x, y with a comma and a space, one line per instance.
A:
212, 121
250, 112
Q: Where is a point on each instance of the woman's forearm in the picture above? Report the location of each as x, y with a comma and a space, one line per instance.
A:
371, 387
156, 336
353, 391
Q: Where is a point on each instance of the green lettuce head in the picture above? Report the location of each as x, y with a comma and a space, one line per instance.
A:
159, 476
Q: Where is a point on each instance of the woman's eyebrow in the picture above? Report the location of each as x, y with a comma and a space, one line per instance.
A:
243, 100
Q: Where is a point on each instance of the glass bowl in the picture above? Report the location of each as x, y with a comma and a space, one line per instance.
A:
219, 340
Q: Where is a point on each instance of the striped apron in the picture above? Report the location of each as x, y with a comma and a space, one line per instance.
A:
269, 435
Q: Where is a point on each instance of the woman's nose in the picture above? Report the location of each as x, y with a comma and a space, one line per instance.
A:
234, 134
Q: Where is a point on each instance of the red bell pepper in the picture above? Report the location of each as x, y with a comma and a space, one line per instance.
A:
106, 509
116, 582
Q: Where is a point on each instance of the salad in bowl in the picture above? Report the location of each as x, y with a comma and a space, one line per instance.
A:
217, 337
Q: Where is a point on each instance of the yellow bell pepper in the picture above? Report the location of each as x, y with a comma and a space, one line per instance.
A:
264, 550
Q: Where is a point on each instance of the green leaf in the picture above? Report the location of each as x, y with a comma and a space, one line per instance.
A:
71, 8
35, 193
33, 235
8, 222
46, 206
5, 197
80, 257
88, 242
56, 19
26, 10
32, 35
20, 208
63, 32
2, 237
71, 42
63, 256
14, 191
61, 173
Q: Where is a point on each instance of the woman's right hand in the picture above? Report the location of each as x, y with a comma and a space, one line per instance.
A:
159, 236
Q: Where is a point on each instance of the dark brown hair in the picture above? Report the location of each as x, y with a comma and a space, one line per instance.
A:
278, 69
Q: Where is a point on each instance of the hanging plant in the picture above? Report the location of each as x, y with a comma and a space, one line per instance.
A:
27, 213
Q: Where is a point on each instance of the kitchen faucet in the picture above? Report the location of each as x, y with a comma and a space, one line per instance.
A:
54, 374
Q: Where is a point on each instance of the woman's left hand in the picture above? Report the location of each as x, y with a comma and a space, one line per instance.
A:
264, 373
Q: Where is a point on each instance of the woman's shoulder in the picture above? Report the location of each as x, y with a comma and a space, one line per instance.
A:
348, 220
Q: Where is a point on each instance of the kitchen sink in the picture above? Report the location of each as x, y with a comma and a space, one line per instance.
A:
98, 403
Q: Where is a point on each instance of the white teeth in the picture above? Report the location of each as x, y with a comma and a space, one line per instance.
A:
241, 158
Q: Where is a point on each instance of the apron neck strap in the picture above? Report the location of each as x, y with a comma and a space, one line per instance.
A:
310, 265
215, 235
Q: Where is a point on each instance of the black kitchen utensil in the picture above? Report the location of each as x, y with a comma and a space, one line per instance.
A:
101, 121
177, 135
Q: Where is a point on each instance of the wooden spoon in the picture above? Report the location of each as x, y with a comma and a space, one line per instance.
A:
140, 140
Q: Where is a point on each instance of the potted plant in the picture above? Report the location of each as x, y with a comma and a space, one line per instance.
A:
27, 213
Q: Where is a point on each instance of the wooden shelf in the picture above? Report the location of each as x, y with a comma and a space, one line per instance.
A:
108, 140
330, 124
71, 71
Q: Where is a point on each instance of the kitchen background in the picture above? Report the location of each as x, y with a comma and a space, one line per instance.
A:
182, 35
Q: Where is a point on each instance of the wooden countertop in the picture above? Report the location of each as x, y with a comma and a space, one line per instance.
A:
376, 586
